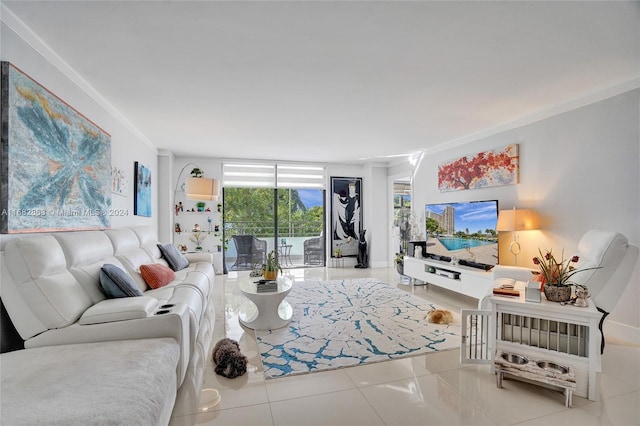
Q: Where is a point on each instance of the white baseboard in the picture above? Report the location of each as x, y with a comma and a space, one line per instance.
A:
620, 331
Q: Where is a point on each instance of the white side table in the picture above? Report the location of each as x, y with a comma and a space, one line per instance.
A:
265, 310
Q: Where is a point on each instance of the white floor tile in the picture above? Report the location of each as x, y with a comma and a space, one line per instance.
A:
440, 361
245, 390
251, 415
308, 384
515, 402
424, 400
343, 408
388, 371
622, 410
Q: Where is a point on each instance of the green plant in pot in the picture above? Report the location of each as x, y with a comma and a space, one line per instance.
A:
272, 266
555, 275
399, 262
198, 237
197, 172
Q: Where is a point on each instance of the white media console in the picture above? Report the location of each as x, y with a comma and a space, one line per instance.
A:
466, 280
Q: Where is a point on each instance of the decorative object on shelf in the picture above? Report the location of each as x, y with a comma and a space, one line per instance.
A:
272, 266
581, 298
219, 208
555, 276
200, 206
179, 208
490, 168
197, 172
198, 237
56, 163
182, 248
513, 221
196, 228
346, 214
178, 229
209, 220
142, 191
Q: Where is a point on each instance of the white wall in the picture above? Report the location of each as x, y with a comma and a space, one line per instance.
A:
376, 217
35, 59
579, 170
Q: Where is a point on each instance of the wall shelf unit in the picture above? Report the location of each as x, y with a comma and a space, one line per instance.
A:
185, 220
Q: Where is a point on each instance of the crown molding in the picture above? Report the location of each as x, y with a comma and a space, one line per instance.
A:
42, 48
591, 98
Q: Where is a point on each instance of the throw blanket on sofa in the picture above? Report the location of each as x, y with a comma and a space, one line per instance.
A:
124, 382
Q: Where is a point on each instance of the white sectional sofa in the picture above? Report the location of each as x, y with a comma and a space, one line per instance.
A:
51, 290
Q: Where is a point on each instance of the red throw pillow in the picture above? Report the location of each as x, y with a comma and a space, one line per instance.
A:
157, 275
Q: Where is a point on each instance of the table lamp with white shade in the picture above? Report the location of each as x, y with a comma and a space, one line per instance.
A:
513, 221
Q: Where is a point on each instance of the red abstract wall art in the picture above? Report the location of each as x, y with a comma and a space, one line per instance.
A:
489, 168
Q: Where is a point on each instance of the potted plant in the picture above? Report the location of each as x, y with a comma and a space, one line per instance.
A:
555, 275
399, 262
197, 172
272, 266
198, 237
406, 227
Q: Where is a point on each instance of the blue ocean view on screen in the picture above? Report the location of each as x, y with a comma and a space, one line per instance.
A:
462, 243
465, 230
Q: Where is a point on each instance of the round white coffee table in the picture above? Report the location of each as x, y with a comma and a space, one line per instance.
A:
265, 310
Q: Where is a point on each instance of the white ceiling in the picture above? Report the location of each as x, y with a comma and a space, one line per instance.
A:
335, 81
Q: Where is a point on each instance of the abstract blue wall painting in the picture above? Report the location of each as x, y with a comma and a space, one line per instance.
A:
142, 191
55, 164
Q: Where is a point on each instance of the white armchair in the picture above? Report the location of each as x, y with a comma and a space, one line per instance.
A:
610, 252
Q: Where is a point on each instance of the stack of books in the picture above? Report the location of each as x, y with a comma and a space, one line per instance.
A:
264, 286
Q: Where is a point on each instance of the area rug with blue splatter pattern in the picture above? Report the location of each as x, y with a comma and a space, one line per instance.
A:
344, 323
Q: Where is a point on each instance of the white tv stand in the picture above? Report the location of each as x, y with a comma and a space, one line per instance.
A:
472, 282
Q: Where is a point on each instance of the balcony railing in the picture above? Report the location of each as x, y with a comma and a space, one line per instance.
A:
290, 239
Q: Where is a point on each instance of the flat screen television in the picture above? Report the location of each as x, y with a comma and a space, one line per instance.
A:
463, 231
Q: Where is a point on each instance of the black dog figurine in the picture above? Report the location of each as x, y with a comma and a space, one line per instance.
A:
363, 257
229, 361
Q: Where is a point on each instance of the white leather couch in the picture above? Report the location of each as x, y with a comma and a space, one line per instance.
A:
50, 288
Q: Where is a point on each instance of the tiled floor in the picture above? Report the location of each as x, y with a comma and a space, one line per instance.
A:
432, 389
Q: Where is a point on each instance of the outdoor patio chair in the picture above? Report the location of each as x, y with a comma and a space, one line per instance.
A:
250, 252
314, 251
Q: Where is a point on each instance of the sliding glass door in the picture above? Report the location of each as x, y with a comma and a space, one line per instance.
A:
300, 225
258, 220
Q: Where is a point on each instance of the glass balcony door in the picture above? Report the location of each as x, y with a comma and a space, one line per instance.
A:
258, 220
